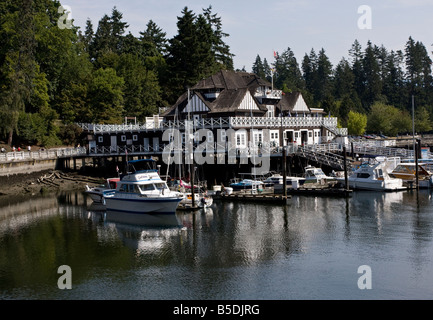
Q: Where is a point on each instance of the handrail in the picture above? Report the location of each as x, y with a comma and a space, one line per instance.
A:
42, 154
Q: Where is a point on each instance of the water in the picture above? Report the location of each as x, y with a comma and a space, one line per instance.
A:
310, 249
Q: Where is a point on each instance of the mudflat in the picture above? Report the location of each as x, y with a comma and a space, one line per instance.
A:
45, 181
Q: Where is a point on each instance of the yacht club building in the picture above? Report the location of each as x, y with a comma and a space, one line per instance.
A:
257, 113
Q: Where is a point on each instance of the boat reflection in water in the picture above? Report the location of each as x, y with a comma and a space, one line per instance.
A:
143, 219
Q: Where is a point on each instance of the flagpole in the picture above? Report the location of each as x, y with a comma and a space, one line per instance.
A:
272, 80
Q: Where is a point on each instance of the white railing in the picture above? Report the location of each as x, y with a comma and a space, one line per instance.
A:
42, 154
278, 122
230, 122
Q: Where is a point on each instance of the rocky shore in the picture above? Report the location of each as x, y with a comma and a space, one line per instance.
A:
45, 181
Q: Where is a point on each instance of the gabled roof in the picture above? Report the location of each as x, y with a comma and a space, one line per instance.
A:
293, 102
232, 88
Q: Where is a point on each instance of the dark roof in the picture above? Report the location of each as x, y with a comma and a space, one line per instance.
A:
288, 101
232, 87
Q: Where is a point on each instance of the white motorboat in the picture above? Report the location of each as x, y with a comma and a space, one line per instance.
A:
374, 175
277, 179
316, 175
407, 172
142, 192
97, 193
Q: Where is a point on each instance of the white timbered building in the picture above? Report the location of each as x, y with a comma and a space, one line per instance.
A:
241, 101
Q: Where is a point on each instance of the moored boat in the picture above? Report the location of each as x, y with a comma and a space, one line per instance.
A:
374, 176
97, 193
407, 172
316, 175
247, 184
143, 192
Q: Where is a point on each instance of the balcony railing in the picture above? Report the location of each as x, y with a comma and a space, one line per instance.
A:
42, 155
329, 123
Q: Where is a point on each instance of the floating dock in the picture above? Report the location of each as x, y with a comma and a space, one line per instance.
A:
321, 191
249, 197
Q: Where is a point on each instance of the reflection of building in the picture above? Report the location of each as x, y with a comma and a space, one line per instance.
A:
227, 100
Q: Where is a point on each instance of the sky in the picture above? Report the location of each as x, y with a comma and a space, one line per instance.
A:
264, 27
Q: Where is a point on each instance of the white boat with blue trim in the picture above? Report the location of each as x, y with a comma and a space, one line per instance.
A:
142, 193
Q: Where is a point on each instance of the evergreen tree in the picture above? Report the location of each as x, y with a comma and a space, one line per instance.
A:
393, 80
220, 50
309, 70
324, 77
356, 54
154, 37
287, 72
268, 72
343, 79
418, 71
258, 68
371, 72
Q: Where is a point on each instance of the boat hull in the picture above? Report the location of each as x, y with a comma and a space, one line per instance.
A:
376, 185
96, 196
155, 205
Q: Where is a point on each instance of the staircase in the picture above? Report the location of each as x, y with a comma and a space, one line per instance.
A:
324, 157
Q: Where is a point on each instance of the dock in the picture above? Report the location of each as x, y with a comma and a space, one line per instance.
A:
320, 191
270, 198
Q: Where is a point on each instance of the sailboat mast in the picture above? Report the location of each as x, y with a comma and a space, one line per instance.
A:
192, 159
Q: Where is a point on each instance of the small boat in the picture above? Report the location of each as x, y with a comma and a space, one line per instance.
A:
375, 176
247, 184
202, 200
142, 193
407, 172
316, 175
277, 179
97, 193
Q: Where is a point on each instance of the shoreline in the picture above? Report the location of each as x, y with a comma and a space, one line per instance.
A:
38, 182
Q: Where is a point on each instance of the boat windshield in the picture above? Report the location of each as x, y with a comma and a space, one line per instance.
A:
146, 187
160, 185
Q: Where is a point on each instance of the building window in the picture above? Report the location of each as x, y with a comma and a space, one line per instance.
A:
310, 134
270, 112
134, 137
240, 139
101, 139
123, 138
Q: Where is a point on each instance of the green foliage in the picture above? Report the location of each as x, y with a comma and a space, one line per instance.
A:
423, 122
388, 120
356, 123
71, 134
49, 74
106, 96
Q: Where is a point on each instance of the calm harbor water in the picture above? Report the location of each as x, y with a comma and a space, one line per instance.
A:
310, 249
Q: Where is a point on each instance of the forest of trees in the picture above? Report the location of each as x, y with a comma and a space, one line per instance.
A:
52, 77
373, 82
